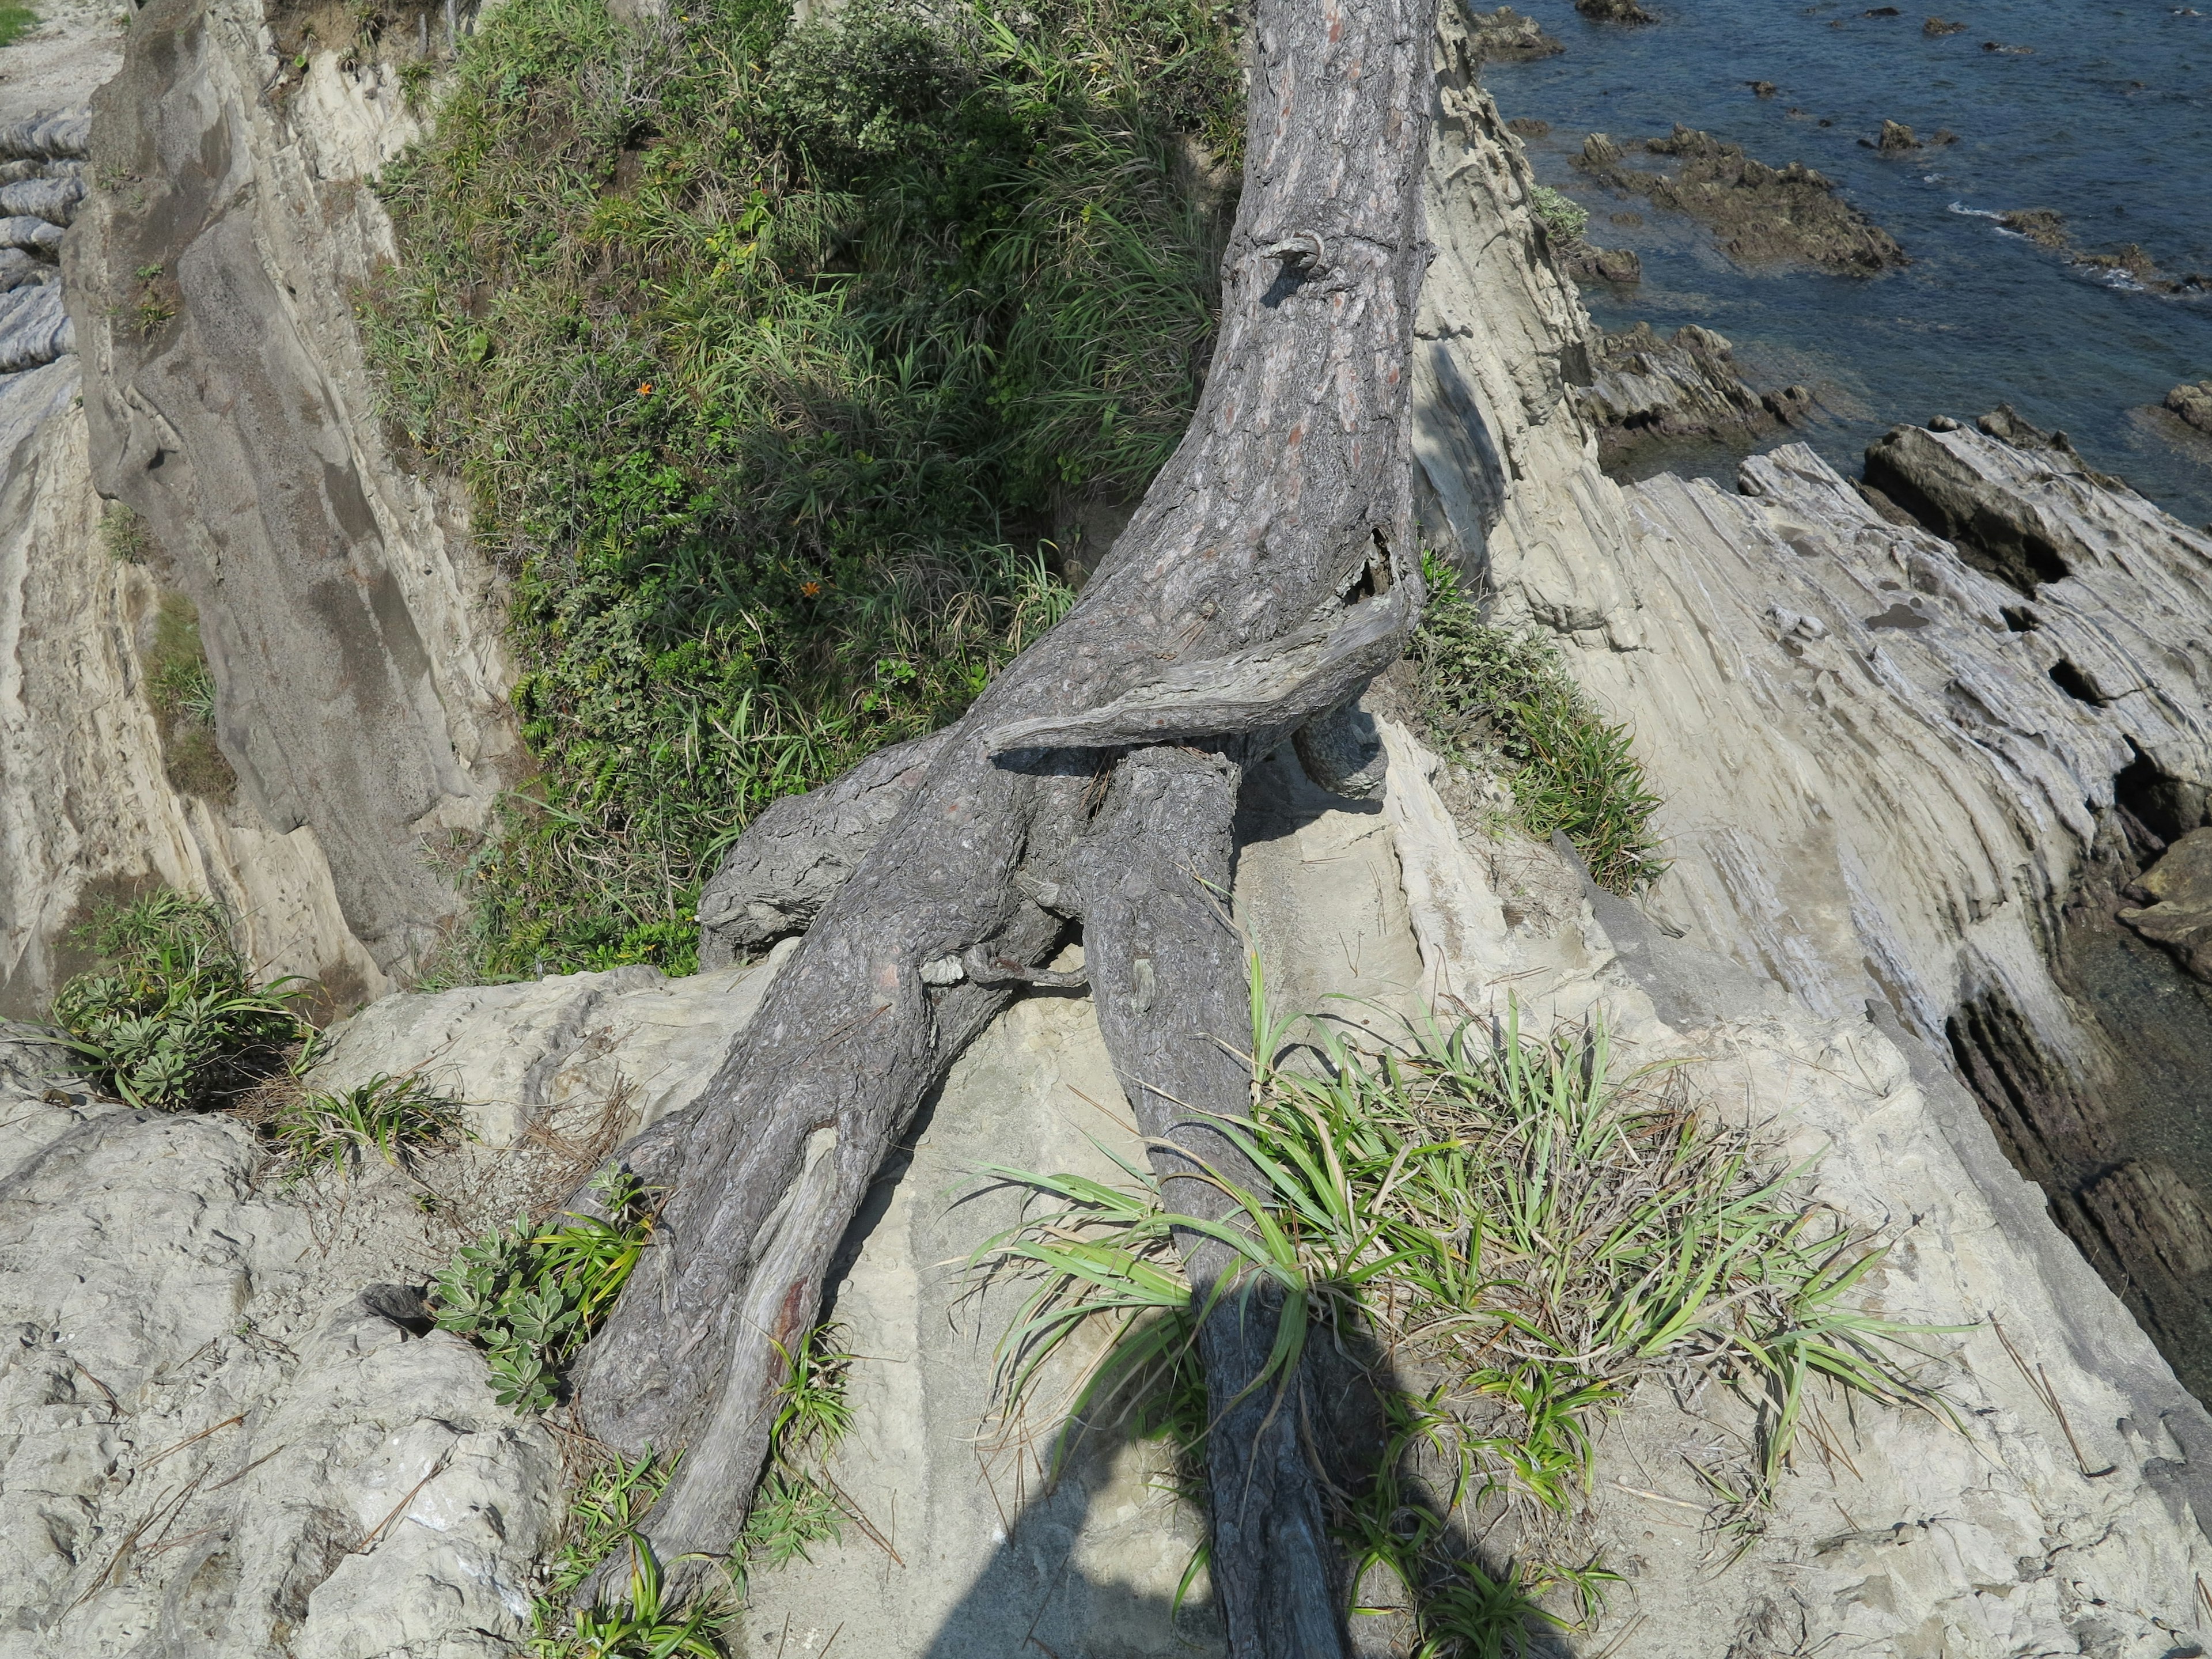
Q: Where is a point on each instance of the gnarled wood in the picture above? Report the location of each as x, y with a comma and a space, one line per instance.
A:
1279, 536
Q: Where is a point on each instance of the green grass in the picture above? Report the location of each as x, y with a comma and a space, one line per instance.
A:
385, 1116
768, 354
180, 689
531, 1295
15, 22
798, 1506
125, 535
1516, 1217
171, 1017
1492, 693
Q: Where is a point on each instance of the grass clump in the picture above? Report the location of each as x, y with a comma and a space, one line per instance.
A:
1566, 219
15, 22
1491, 691
1514, 1236
798, 1505
170, 1017
180, 688
767, 351
385, 1116
531, 1295
126, 536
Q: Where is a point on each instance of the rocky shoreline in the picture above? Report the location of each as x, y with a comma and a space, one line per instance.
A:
1761, 214
1644, 389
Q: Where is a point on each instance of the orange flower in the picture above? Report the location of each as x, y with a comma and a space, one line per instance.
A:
810, 588
645, 388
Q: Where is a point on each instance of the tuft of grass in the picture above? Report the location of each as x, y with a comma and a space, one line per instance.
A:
180, 688
1492, 691
171, 1017
767, 351
1511, 1215
1565, 218
641, 1625
798, 1503
126, 536
15, 22
531, 1296
385, 1116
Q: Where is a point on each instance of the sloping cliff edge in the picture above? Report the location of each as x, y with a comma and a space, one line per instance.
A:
222, 1437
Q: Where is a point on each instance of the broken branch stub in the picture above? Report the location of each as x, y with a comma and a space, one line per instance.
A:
1270, 562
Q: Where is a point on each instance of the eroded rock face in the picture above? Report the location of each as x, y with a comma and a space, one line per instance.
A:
1502, 36
211, 1443
351, 630
1760, 214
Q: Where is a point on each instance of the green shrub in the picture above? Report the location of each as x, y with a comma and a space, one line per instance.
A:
767, 354
170, 1017
386, 1116
1490, 691
1564, 217
1514, 1216
531, 1296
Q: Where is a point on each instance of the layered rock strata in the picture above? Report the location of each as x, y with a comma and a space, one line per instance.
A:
1643, 388
353, 632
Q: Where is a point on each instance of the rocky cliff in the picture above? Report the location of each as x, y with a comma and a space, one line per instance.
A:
1909, 740
221, 466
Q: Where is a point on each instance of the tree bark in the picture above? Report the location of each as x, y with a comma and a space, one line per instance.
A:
1271, 571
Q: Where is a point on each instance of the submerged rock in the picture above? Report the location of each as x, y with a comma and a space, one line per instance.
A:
1615, 11
1937, 26
1762, 214
2047, 228
2179, 920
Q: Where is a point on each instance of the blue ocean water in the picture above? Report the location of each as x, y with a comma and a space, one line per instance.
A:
2107, 119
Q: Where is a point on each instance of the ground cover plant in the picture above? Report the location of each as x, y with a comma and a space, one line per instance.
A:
1495, 692
172, 1016
767, 352
1507, 1236
531, 1295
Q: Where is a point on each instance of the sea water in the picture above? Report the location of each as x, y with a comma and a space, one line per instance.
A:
2106, 118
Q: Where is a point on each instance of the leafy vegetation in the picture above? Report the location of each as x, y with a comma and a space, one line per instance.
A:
15, 22
181, 691
769, 351
170, 1015
1512, 1218
1491, 691
1562, 215
385, 1116
531, 1295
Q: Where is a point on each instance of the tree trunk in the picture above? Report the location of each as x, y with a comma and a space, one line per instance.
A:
1271, 571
